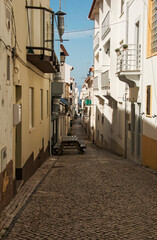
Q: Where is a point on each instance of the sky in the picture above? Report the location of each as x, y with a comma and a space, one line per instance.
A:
80, 44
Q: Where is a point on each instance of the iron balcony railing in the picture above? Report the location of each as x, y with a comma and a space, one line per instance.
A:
96, 41
42, 32
95, 83
129, 58
105, 26
105, 80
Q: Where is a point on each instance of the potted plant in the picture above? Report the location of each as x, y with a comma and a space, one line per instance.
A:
117, 50
125, 46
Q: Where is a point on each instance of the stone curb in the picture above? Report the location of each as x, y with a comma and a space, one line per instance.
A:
14, 209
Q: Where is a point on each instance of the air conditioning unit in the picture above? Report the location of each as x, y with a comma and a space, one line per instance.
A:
17, 113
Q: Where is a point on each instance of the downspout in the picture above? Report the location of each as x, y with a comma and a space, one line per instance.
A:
143, 46
128, 4
50, 125
126, 41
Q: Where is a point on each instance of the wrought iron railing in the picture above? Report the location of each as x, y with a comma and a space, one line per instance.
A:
42, 31
96, 41
105, 80
105, 27
129, 58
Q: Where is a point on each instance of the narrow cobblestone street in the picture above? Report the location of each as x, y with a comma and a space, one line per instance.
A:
95, 195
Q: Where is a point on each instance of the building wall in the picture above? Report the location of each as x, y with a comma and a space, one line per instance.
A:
33, 141
149, 139
7, 174
116, 107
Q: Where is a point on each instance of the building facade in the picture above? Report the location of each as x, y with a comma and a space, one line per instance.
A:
124, 90
7, 174
29, 64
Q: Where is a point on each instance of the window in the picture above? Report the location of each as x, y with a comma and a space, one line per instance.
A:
47, 102
149, 101
31, 107
152, 28
122, 6
8, 67
41, 104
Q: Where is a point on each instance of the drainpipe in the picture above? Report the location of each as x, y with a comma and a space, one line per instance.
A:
50, 128
126, 41
128, 4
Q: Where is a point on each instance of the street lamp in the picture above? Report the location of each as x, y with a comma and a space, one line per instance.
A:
62, 58
60, 20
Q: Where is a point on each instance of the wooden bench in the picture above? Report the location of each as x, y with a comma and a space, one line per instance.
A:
67, 143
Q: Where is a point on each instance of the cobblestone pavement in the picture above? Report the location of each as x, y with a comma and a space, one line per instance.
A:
96, 195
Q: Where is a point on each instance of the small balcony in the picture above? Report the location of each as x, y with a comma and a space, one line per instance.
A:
105, 80
105, 26
40, 46
95, 84
129, 64
105, 83
96, 41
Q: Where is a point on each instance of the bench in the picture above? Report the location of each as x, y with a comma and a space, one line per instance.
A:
68, 142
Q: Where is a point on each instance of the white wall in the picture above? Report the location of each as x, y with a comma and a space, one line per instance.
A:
6, 89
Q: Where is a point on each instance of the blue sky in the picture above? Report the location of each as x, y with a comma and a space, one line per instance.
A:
80, 44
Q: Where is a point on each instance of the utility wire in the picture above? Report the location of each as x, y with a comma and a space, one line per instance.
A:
14, 30
8, 47
88, 29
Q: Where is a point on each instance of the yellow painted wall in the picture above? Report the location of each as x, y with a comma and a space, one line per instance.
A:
149, 152
31, 138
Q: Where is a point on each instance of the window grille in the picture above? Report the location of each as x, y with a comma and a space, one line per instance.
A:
148, 100
154, 27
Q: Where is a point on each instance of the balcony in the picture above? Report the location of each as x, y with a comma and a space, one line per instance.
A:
96, 41
40, 46
95, 84
129, 64
105, 84
105, 80
105, 26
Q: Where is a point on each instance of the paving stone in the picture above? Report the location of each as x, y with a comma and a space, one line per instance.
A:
96, 195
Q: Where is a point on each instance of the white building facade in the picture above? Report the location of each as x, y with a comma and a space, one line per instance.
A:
123, 73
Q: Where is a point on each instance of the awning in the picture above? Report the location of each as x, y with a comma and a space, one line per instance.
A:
64, 101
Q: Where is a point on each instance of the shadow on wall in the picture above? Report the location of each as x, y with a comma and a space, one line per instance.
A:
127, 134
107, 134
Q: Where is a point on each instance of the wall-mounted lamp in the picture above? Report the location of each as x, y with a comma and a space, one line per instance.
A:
154, 116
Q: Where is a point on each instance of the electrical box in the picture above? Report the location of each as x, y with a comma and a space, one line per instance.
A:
133, 94
17, 113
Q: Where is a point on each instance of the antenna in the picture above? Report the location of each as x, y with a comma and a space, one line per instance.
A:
60, 5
